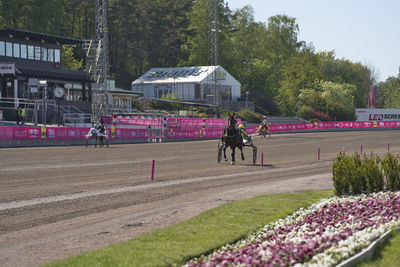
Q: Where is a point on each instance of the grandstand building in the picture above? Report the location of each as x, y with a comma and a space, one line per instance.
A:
27, 57
31, 69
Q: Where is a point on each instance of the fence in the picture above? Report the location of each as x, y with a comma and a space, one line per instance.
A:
173, 133
172, 122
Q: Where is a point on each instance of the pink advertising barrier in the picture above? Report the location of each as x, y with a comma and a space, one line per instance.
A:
64, 133
172, 122
177, 134
68, 133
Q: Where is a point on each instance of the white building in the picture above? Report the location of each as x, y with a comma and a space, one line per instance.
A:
207, 84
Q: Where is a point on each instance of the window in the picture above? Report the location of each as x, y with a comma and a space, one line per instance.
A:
16, 50
206, 91
9, 49
57, 55
50, 55
37, 52
31, 54
197, 91
24, 52
44, 54
2, 48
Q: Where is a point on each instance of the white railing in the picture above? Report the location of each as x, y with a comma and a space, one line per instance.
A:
78, 119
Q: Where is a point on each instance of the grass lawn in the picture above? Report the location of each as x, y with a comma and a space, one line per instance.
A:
387, 254
210, 230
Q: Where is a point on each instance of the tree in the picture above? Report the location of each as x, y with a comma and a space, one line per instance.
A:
196, 45
303, 71
339, 99
68, 60
345, 71
388, 93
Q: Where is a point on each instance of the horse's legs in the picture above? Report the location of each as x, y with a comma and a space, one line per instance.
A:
233, 155
241, 152
225, 153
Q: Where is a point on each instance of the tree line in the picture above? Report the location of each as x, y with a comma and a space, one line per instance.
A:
284, 75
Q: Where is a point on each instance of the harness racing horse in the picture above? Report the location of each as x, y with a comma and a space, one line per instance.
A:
232, 138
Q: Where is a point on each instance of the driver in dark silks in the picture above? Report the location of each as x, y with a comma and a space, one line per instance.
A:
102, 132
93, 132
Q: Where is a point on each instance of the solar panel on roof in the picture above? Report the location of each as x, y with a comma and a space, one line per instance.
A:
178, 73
152, 74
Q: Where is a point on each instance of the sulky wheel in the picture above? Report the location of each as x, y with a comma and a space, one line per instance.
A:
254, 155
219, 154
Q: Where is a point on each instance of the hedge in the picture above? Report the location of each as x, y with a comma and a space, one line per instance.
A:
356, 174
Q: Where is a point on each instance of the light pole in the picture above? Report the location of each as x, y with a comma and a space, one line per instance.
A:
43, 84
247, 95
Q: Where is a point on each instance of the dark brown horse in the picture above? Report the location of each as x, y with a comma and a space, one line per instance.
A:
232, 138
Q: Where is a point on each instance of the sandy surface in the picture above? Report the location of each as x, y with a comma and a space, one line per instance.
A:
57, 202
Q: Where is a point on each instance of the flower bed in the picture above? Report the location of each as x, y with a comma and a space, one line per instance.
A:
322, 235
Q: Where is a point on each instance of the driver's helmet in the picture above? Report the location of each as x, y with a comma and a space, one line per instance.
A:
241, 126
96, 126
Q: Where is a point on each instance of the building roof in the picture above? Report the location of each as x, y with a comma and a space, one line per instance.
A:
55, 74
39, 36
41, 71
176, 75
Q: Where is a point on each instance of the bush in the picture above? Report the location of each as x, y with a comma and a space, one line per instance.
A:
248, 116
305, 112
245, 114
391, 168
355, 175
372, 172
340, 172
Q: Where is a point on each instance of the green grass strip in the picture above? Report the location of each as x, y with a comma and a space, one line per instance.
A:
210, 230
386, 254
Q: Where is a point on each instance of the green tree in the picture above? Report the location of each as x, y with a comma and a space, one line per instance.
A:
68, 59
344, 71
339, 100
196, 45
388, 93
302, 71
341, 93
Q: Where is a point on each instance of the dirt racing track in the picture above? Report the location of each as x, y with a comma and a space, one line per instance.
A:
57, 202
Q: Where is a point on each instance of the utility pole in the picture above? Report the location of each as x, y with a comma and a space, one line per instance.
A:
213, 44
247, 92
213, 32
97, 61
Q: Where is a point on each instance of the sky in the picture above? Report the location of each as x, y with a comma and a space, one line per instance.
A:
365, 31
